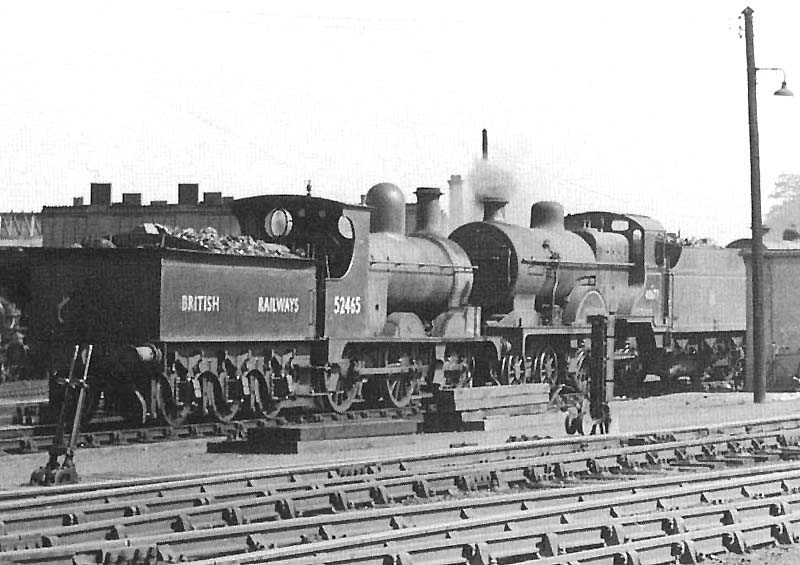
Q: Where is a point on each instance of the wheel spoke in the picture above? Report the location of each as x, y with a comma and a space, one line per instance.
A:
341, 391
398, 389
222, 409
170, 411
546, 366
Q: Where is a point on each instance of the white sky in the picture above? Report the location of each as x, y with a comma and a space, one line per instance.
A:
632, 106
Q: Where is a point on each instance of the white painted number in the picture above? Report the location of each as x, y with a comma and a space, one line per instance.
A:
346, 305
651, 294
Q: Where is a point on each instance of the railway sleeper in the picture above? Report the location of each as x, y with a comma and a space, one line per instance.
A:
636, 537
168, 502
468, 514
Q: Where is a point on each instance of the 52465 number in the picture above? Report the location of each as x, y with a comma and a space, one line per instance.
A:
347, 305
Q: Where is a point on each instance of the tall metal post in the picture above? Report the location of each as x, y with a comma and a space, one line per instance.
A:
757, 255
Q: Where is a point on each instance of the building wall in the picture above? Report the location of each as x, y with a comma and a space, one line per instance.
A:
64, 226
781, 318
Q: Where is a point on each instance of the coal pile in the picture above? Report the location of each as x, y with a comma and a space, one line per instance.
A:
226, 244
207, 239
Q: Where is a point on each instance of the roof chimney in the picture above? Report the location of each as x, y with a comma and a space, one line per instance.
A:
100, 194
429, 213
212, 198
132, 198
187, 193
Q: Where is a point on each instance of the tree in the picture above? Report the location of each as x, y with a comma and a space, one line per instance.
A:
783, 217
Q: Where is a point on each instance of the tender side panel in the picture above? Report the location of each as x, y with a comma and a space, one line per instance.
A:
708, 290
94, 296
236, 299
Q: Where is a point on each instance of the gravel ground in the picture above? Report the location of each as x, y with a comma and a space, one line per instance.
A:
661, 412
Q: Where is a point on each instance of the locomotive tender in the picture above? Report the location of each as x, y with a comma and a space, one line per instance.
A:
354, 310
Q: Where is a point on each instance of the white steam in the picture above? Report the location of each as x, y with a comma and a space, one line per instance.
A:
488, 180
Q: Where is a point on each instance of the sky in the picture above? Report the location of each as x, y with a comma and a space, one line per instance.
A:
625, 106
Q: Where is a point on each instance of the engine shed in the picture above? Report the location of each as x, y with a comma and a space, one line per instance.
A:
781, 316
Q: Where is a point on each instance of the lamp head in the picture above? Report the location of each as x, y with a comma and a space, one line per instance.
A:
783, 91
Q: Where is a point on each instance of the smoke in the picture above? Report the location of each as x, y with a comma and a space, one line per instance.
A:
488, 180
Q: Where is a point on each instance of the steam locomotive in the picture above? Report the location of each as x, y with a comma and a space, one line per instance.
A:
354, 311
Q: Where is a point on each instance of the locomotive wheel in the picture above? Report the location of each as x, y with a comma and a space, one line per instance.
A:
545, 366
170, 411
132, 406
581, 377
262, 404
221, 409
398, 389
341, 390
466, 376
512, 370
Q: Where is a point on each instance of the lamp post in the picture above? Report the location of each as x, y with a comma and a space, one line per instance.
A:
757, 243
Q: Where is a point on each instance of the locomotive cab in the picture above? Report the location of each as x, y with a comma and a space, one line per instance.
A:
311, 227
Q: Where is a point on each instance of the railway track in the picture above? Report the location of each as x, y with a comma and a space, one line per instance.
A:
19, 439
579, 495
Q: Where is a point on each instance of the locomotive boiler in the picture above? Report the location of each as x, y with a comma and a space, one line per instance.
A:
532, 281
427, 274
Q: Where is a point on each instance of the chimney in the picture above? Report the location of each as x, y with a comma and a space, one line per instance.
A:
187, 194
212, 198
132, 198
77, 201
429, 213
485, 145
456, 211
100, 194
494, 209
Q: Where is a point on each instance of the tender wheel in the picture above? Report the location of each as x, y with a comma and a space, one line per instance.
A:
134, 407
215, 400
398, 389
170, 411
341, 390
545, 367
262, 403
